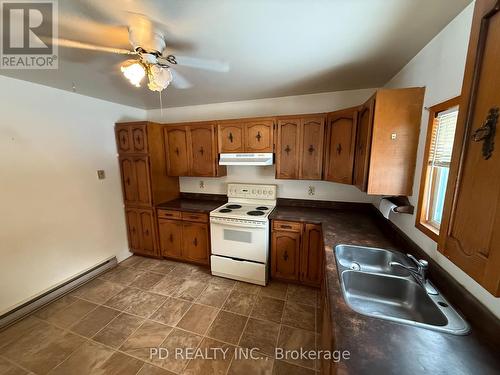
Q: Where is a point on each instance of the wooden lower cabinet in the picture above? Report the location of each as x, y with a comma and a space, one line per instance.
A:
170, 233
297, 252
195, 242
141, 230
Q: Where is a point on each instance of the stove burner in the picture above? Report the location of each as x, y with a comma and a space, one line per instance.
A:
224, 210
255, 213
262, 208
233, 206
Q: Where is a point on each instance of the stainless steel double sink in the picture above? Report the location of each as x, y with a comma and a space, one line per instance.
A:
372, 287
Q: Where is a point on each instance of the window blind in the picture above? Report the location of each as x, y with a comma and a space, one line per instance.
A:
443, 135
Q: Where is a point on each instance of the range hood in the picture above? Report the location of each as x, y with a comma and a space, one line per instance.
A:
246, 159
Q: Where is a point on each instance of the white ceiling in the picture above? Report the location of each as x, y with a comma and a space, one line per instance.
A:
274, 47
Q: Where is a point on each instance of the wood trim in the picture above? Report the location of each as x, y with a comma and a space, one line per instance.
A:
422, 205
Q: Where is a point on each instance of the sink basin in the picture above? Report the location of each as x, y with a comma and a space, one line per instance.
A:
371, 287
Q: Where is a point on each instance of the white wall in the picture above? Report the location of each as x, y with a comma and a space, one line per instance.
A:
314, 103
56, 218
440, 67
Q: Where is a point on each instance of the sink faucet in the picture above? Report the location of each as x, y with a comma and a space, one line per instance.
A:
419, 273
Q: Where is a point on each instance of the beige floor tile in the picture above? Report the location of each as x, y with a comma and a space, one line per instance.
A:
247, 288
124, 299
171, 312
240, 303
296, 339
275, 289
55, 307
255, 366
198, 318
94, 321
214, 295
299, 316
283, 368
119, 364
167, 285
71, 314
302, 294
19, 330
149, 335
137, 302
268, 309
146, 280
218, 358
7, 368
121, 275
227, 327
148, 263
164, 267
98, 290
261, 335
181, 341
116, 332
189, 289
222, 282
148, 369
131, 261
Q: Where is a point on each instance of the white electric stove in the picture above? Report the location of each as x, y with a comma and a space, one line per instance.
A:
240, 233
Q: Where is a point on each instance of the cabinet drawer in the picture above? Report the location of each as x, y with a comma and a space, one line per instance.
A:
169, 214
193, 216
287, 225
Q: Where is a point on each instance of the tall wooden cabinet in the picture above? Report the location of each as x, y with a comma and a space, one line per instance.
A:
387, 138
252, 135
299, 149
470, 228
144, 182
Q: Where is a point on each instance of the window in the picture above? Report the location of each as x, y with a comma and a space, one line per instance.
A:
437, 159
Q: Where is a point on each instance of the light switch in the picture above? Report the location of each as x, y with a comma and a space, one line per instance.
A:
100, 174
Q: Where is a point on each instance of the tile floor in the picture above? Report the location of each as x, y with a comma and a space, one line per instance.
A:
108, 325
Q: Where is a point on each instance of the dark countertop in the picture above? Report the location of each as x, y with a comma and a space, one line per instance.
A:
192, 204
378, 346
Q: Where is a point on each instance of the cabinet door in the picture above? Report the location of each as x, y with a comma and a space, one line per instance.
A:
123, 142
203, 156
133, 229
176, 148
259, 136
129, 180
231, 138
312, 135
147, 234
285, 255
469, 234
340, 145
363, 143
141, 169
195, 242
287, 150
170, 233
311, 257
139, 138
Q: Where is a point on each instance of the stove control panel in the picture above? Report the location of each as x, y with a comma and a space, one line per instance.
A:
251, 191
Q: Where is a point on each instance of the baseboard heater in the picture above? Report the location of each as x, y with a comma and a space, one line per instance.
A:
40, 301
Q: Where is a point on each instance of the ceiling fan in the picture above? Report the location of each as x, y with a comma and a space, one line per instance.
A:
149, 56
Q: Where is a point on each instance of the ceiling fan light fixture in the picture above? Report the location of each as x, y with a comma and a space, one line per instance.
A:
159, 78
134, 71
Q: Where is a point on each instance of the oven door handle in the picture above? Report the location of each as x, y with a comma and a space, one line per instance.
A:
242, 225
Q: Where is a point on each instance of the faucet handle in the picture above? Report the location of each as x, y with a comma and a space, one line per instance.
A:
421, 263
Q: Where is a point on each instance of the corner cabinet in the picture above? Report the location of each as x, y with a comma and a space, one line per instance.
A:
470, 228
297, 252
144, 182
253, 135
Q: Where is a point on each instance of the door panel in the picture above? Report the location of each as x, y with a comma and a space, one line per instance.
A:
177, 151
170, 233
141, 167
123, 141
139, 139
287, 155
231, 138
363, 143
340, 147
129, 180
311, 257
195, 242
312, 137
285, 255
133, 229
147, 234
202, 152
259, 136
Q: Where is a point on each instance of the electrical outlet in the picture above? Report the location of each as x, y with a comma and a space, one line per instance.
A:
311, 190
202, 184
101, 175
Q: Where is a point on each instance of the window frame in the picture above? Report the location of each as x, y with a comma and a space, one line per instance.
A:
420, 221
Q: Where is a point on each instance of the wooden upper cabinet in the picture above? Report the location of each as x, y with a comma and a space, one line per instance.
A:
387, 141
195, 242
259, 136
340, 145
128, 178
139, 138
311, 149
285, 256
123, 141
132, 138
203, 155
469, 234
176, 144
135, 180
231, 138
288, 148
311, 257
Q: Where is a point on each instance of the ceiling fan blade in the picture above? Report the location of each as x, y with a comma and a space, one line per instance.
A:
205, 64
179, 81
80, 45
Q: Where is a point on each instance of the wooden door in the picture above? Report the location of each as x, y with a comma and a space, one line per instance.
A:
469, 234
363, 143
129, 180
285, 255
139, 138
195, 242
133, 229
123, 142
259, 136
340, 145
311, 256
170, 234
147, 234
312, 134
202, 151
287, 150
142, 175
176, 148
231, 138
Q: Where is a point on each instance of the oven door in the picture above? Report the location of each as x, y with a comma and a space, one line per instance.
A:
240, 240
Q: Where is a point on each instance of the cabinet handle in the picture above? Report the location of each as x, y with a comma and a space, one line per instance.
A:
195, 242
486, 133
230, 137
133, 230
138, 139
287, 149
177, 151
124, 140
339, 149
286, 226
311, 149
258, 136
201, 150
128, 180
146, 232
171, 237
285, 256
